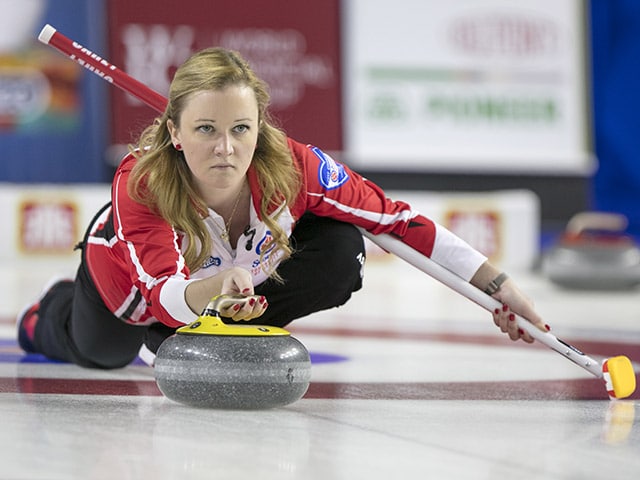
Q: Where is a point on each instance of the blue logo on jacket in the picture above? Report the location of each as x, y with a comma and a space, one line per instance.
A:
212, 262
330, 173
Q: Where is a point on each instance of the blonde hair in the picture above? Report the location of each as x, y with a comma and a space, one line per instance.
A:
162, 180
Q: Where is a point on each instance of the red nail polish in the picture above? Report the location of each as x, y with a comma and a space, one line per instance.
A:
548, 328
496, 311
236, 307
252, 302
512, 317
262, 299
520, 331
505, 307
246, 290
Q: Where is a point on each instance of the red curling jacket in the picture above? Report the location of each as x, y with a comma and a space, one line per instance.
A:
135, 257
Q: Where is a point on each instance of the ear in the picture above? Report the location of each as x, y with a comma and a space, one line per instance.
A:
173, 131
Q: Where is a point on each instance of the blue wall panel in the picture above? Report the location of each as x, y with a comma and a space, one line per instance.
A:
60, 147
616, 78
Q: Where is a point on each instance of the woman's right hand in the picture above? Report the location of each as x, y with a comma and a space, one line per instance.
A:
234, 281
247, 309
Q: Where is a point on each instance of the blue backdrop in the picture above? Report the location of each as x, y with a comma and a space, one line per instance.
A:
616, 80
74, 153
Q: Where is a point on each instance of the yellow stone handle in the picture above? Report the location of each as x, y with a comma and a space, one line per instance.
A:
219, 302
210, 322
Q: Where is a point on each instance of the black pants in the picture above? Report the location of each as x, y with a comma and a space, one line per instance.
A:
77, 327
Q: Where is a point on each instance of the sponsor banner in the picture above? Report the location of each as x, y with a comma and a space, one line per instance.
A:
467, 85
45, 222
293, 46
47, 226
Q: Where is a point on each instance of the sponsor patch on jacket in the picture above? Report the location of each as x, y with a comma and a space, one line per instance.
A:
212, 262
265, 245
331, 174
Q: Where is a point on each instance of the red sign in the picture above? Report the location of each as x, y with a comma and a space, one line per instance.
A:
481, 229
293, 46
47, 226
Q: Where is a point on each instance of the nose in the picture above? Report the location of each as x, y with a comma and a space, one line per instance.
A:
223, 146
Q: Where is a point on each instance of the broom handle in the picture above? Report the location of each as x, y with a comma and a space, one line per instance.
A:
464, 288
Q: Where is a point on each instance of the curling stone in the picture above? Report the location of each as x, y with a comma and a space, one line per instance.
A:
210, 364
594, 254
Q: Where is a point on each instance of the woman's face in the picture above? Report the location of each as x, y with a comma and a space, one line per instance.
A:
218, 133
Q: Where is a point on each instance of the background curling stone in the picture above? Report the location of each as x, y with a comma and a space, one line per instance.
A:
209, 364
594, 254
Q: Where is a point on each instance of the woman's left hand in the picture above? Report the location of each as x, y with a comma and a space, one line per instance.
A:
514, 302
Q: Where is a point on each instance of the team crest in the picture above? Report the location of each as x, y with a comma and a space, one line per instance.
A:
265, 245
331, 174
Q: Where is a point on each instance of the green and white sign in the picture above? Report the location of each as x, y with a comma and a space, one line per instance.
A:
483, 86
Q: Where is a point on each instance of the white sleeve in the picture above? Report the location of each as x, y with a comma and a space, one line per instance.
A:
173, 300
455, 254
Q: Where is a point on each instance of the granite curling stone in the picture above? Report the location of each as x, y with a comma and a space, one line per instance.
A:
594, 253
210, 364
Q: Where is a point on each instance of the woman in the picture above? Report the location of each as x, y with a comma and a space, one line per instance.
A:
215, 199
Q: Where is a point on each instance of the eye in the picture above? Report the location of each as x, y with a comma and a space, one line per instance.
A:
241, 128
205, 128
